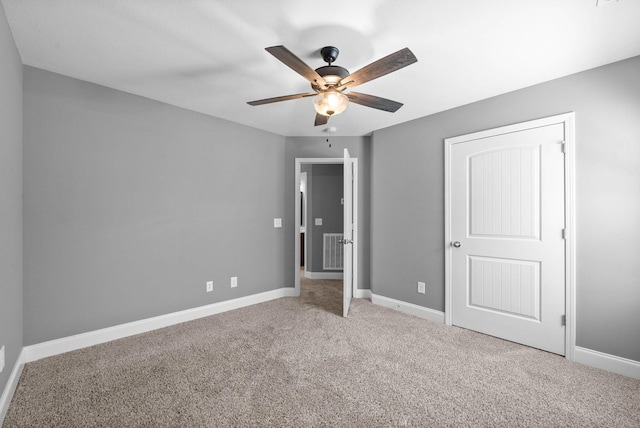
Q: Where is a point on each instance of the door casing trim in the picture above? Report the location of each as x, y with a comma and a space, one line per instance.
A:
298, 208
568, 120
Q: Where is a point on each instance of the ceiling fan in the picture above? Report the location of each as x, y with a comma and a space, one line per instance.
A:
330, 81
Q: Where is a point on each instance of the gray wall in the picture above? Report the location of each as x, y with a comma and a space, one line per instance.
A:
10, 199
325, 190
317, 147
130, 205
407, 194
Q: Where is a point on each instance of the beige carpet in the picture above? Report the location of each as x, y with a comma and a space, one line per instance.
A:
295, 362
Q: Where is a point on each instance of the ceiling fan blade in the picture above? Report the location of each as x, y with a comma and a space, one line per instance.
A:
386, 65
374, 102
278, 99
321, 120
296, 64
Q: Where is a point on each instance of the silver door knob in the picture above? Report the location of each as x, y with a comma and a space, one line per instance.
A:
456, 244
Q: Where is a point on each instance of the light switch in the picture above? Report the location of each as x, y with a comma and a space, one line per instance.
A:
319, 222
277, 222
421, 287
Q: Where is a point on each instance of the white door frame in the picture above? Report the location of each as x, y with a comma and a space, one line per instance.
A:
298, 208
568, 120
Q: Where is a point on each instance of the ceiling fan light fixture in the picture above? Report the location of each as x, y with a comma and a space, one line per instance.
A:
330, 102
329, 81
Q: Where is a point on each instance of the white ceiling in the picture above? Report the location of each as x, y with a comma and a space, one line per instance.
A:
208, 55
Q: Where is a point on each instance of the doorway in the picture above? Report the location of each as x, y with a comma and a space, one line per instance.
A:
509, 233
350, 229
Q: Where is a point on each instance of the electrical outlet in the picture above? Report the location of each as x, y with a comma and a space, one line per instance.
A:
2, 358
277, 222
209, 286
421, 287
234, 281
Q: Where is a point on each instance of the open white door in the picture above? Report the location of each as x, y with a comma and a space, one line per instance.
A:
348, 233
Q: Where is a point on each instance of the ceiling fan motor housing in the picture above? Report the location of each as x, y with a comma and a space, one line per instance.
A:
332, 74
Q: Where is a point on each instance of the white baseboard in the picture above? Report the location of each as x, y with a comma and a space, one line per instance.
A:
323, 275
360, 293
612, 363
408, 308
71, 343
10, 387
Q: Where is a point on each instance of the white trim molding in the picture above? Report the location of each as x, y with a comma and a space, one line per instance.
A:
611, 363
83, 340
408, 308
298, 209
10, 387
362, 293
323, 275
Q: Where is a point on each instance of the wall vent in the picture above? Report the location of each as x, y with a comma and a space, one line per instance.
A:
332, 251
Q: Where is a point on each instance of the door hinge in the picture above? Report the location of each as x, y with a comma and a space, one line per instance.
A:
564, 233
563, 147
563, 320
